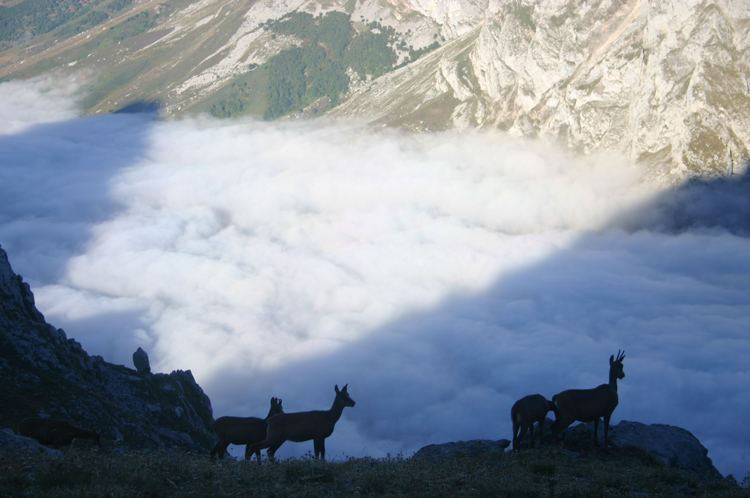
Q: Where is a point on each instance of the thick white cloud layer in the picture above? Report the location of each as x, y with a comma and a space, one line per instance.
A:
441, 276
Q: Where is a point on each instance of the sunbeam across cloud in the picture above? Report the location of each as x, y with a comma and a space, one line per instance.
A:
441, 276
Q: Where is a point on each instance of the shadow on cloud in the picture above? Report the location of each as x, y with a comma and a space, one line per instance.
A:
55, 185
721, 204
666, 282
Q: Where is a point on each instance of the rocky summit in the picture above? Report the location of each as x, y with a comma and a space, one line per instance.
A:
666, 84
45, 374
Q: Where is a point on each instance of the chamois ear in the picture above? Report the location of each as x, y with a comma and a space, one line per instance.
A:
611, 359
336, 388
344, 389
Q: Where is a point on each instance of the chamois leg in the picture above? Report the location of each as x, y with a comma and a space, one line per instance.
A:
255, 448
606, 431
560, 425
516, 429
596, 432
521, 435
320, 447
531, 435
541, 431
271, 453
219, 449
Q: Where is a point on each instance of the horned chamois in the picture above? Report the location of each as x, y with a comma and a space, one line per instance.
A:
589, 405
303, 426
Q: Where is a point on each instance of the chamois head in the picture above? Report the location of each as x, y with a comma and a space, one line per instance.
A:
343, 397
615, 365
276, 407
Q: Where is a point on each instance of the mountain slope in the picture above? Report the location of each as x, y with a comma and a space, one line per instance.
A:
667, 84
43, 373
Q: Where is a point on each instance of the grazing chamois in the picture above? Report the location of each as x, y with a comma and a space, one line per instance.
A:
589, 405
303, 426
242, 430
525, 412
55, 432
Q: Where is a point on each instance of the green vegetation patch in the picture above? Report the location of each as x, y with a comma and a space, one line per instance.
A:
315, 71
525, 14
127, 71
24, 20
132, 26
247, 95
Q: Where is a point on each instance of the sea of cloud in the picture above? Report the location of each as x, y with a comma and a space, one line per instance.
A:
441, 276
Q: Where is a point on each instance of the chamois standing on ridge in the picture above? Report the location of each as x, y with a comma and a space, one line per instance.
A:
242, 430
525, 412
55, 432
303, 426
589, 405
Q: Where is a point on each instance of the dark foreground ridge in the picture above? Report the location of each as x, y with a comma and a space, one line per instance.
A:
45, 374
549, 472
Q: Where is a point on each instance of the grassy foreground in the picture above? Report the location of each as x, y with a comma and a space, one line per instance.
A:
549, 472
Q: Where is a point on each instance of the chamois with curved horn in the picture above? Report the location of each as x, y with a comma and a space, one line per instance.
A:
304, 426
525, 412
242, 430
589, 405
55, 432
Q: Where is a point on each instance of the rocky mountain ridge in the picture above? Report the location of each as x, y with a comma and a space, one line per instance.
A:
666, 84
43, 373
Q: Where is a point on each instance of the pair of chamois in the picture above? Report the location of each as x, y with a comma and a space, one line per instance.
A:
583, 405
278, 427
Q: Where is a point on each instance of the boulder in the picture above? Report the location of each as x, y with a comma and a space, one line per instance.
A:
668, 444
475, 447
140, 360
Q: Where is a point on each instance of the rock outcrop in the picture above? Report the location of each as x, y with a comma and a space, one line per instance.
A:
670, 445
9, 439
44, 373
140, 361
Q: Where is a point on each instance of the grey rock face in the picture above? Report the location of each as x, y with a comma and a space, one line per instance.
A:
663, 83
41, 370
140, 360
670, 445
8, 439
